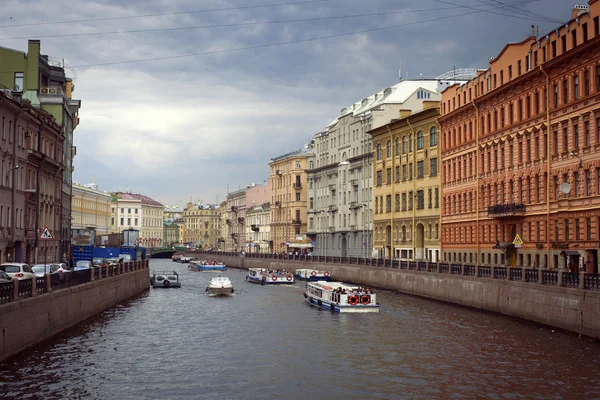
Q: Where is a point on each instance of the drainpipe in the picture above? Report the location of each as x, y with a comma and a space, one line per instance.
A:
414, 181
393, 196
37, 193
478, 259
548, 123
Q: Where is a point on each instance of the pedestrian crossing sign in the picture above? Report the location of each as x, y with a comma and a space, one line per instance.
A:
46, 234
518, 242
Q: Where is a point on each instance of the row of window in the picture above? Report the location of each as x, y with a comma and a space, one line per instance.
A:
404, 233
405, 145
404, 201
407, 172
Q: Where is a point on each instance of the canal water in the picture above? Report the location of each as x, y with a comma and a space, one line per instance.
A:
267, 343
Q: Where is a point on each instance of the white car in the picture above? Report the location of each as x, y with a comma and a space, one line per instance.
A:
17, 270
40, 269
61, 267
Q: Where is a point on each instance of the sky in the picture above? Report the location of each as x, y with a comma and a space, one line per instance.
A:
214, 104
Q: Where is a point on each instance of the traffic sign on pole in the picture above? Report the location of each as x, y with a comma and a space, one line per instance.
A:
46, 234
518, 242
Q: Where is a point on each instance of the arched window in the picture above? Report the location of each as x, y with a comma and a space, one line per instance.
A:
389, 148
433, 136
403, 144
379, 151
420, 140
403, 232
397, 146
410, 143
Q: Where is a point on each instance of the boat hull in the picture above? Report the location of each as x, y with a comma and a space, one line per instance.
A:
208, 267
315, 278
156, 284
269, 281
219, 292
340, 308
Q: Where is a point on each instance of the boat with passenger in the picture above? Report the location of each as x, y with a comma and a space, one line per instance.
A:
341, 297
220, 286
165, 279
185, 260
269, 276
207, 266
312, 275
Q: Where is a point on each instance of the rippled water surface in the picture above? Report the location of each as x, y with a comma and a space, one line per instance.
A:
267, 343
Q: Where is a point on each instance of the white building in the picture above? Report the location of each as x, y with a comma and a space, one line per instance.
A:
136, 211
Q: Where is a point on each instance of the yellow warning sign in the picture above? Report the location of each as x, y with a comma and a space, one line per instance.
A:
517, 241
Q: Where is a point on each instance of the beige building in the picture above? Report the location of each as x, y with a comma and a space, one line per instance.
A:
201, 225
140, 212
91, 208
406, 211
258, 228
287, 181
235, 220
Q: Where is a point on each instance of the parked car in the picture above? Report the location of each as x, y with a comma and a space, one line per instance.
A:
41, 269
17, 270
61, 267
125, 257
4, 277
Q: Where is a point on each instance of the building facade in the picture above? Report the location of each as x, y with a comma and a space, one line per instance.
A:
170, 233
287, 181
201, 225
91, 208
519, 153
340, 177
41, 82
407, 186
235, 221
257, 207
136, 211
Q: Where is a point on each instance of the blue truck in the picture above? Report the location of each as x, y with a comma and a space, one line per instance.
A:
84, 246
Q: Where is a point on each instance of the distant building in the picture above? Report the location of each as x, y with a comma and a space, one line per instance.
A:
256, 197
287, 181
91, 208
201, 225
136, 211
170, 234
235, 221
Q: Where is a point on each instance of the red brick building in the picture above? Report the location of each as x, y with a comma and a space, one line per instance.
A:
511, 137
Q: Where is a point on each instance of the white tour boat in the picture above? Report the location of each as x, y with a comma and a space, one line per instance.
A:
165, 280
264, 276
312, 275
341, 297
185, 260
220, 286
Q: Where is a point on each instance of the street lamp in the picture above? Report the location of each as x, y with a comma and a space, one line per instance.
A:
9, 171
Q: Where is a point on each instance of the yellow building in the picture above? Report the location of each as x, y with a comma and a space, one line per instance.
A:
287, 181
90, 208
201, 225
407, 186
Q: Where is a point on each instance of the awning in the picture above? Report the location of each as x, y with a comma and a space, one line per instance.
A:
300, 245
569, 253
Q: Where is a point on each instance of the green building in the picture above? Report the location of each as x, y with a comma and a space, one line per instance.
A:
43, 82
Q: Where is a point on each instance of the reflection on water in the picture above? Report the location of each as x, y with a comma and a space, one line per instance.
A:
266, 342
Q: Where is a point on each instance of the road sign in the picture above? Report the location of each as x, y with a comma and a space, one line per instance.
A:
518, 242
46, 234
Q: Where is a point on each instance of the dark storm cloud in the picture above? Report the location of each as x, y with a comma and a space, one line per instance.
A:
186, 127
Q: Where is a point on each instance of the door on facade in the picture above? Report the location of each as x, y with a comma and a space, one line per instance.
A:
344, 247
420, 242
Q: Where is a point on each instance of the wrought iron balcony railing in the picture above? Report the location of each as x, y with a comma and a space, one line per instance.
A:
506, 210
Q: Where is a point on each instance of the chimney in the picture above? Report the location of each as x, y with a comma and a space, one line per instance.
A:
429, 104
405, 113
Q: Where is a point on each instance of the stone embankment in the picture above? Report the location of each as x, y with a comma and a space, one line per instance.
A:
569, 301
39, 310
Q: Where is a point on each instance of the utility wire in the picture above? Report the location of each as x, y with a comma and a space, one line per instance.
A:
168, 13
493, 12
248, 23
520, 11
477, 11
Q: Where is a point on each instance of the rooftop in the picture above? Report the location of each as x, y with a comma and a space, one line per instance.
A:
135, 196
301, 152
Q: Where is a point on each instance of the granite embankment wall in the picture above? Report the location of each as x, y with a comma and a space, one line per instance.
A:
29, 321
575, 310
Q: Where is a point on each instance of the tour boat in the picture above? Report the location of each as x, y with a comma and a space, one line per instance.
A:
263, 276
341, 297
185, 260
165, 280
176, 257
312, 275
220, 286
206, 266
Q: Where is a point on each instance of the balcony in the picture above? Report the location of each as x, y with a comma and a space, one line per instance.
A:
331, 229
241, 220
354, 205
296, 222
332, 186
277, 204
354, 182
234, 237
73, 151
228, 222
55, 91
333, 208
234, 209
297, 185
254, 227
506, 210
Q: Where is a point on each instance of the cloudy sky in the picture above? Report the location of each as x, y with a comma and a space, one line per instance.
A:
217, 103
